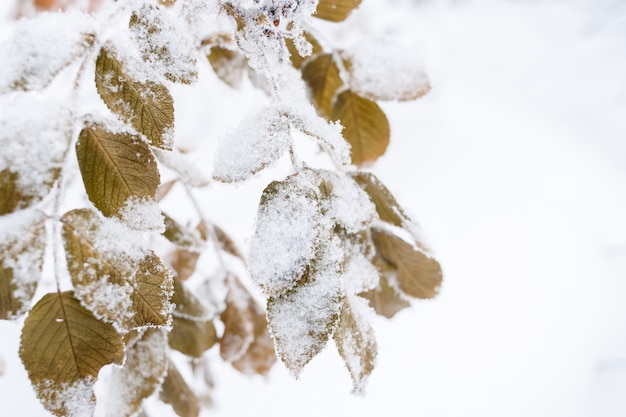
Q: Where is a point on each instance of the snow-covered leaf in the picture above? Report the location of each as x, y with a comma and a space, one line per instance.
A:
296, 58
366, 127
344, 202
302, 319
386, 69
162, 44
229, 65
41, 47
21, 259
355, 341
147, 106
336, 10
131, 291
142, 374
419, 274
116, 168
34, 136
287, 233
176, 391
256, 144
322, 76
63, 347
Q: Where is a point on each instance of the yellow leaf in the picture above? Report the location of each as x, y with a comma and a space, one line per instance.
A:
336, 10
419, 274
322, 76
115, 167
11, 198
366, 127
148, 106
63, 347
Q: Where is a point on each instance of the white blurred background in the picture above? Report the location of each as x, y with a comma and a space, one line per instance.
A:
515, 166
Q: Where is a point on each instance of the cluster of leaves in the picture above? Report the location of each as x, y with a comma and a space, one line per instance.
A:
329, 245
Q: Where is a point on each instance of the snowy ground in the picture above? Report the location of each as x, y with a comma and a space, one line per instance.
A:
515, 165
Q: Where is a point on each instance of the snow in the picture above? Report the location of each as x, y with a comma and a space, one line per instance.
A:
514, 166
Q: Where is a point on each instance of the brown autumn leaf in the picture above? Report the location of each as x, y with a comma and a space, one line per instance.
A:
227, 244
356, 342
336, 10
115, 167
260, 356
296, 58
237, 319
142, 374
148, 107
192, 336
131, 293
187, 304
229, 65
366, 127
183, 262
176, 392
384, 299
63, 347
181, 235
322, 76
21, 261
419, 274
